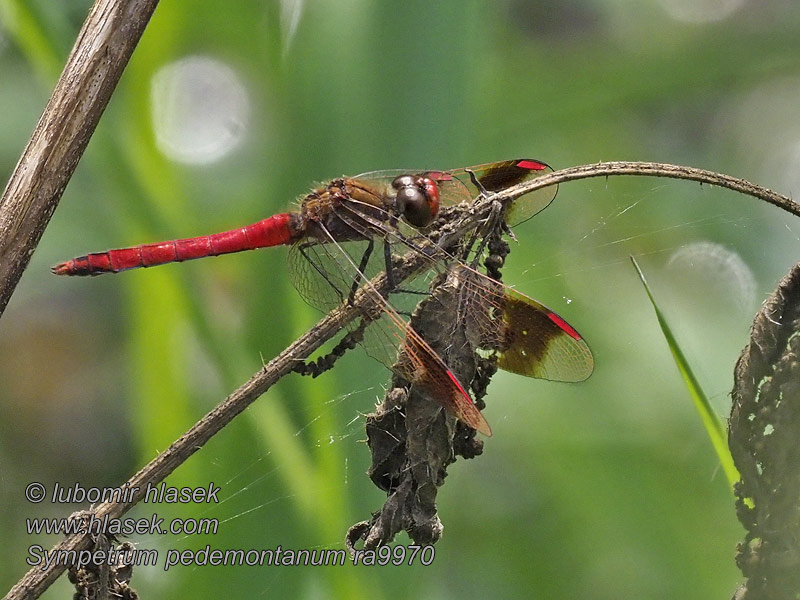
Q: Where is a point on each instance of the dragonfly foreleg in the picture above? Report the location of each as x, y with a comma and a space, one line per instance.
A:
476, 182
508, 231
361, 267
302, 248
391, 284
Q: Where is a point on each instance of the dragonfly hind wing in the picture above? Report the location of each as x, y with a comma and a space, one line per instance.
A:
539, 343
528, 338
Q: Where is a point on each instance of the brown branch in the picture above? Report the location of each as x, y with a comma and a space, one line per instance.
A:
649, 169
104, 45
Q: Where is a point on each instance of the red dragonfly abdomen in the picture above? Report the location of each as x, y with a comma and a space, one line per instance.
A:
276, 230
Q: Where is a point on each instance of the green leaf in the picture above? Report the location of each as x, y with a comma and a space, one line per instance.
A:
711, 421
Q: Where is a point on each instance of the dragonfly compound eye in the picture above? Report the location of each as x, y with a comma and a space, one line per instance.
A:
404, 181
415, 205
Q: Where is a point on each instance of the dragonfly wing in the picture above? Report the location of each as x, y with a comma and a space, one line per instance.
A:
326, 273
379, 342
420, 365
539, 343
498, 176
393, 341
318, 272
528, 338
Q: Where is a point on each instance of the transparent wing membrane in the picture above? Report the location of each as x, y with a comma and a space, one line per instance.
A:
495, 177
529, 338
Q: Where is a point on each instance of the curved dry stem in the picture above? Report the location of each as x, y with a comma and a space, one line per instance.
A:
651, 169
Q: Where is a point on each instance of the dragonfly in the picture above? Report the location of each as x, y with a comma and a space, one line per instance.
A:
333, 236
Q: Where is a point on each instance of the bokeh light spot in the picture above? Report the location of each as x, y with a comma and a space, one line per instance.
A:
700, 11
718, 271
200, 110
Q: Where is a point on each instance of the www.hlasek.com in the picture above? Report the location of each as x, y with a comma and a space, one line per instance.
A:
87, 522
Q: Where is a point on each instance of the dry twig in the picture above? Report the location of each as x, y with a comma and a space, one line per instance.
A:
101, 52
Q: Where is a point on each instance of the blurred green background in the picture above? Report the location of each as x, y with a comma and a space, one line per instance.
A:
228, 112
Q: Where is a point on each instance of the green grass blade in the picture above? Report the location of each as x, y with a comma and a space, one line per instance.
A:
713, 424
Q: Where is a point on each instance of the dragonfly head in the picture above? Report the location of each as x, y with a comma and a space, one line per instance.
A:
417, 199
